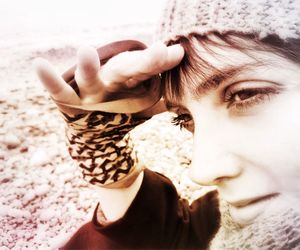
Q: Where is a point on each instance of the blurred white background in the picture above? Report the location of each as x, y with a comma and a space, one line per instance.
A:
55, 29
33, 22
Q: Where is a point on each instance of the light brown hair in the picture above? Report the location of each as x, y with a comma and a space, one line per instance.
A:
192, 65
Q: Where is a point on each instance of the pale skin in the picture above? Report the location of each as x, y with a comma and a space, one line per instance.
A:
246, 130
127, 70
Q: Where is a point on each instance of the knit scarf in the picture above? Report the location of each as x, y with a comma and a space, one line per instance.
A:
277, 228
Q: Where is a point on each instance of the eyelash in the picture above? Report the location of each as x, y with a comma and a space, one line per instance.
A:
254, 96
183, 121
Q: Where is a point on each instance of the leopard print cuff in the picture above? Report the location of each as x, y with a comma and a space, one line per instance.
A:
100, 143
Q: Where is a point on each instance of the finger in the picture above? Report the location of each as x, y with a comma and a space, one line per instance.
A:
132, 67
151, 62
86, 74
54, 83
128, 64
175, 53
160, 59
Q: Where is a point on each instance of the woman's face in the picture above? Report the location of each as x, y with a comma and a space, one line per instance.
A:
246, 129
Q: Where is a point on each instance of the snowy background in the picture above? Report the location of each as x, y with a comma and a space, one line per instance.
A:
43, 199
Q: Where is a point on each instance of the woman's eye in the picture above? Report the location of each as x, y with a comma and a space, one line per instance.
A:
244, 95
184, 121
241, 97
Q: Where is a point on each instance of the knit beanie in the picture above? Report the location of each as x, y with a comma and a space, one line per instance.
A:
261, 17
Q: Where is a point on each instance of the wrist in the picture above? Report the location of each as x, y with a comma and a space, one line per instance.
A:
114, 203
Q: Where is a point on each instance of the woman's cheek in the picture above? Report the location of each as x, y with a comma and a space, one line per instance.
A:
270, 139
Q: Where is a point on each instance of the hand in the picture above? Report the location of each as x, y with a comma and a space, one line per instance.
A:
123, 73
99, 140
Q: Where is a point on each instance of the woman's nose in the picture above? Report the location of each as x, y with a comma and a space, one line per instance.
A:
212, 164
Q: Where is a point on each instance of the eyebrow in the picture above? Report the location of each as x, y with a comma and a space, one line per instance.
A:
216, 78
213, 81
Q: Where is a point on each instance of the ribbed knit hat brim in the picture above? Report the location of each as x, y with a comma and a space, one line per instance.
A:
262, 17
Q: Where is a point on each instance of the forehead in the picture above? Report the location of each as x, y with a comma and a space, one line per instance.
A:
220, 64
206, 66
